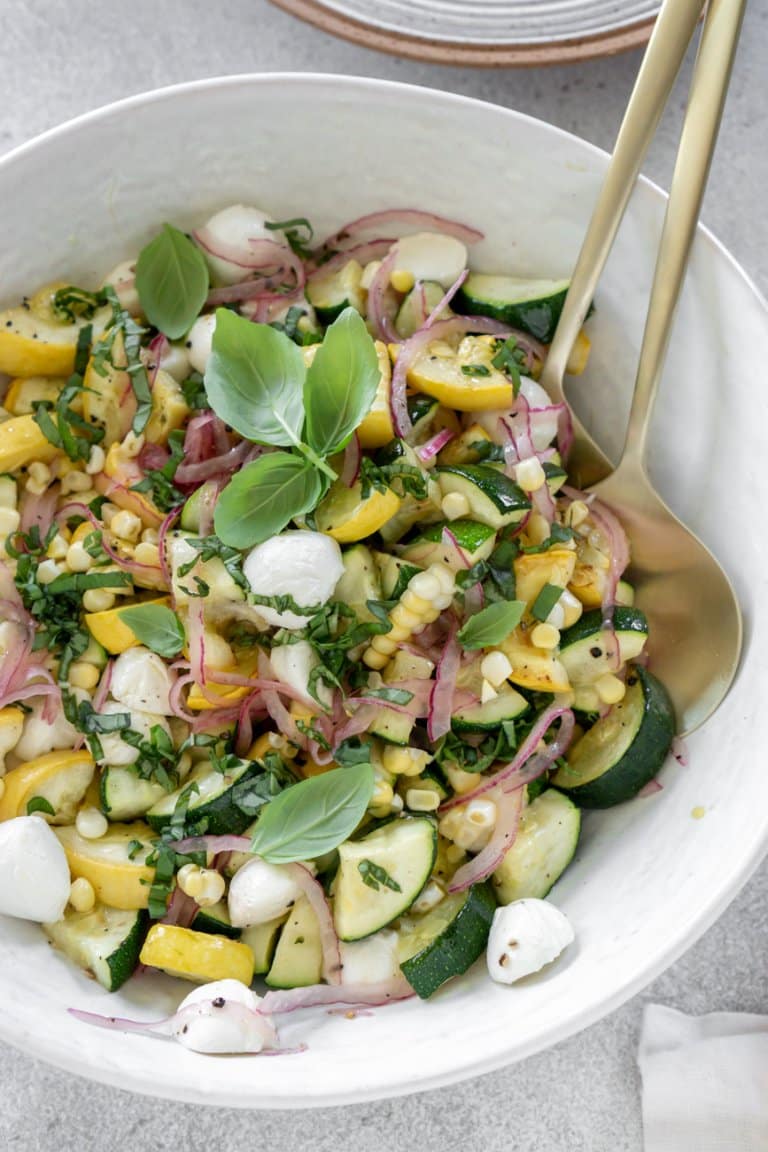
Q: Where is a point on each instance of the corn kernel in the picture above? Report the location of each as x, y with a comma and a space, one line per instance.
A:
75, 481
205, 885
537, 528
530, 475
376, 660
96, 460
610, 688
98, 599
422, 800
57, 549
126, 525
401, 617
425, 585
402, 280
577, 513
9, 521
78, 559
487, 692
404, 761
81, 895
470, 827
454, 505
132, 445
414, 603
147, 554
9, 495
38, 478
429, 898
48, 570
150, 536
91, 824
82, 675
496, 668
545, 636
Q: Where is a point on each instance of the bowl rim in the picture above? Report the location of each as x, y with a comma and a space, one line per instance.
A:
142, 1080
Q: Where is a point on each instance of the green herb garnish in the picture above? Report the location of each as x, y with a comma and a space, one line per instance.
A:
545, 601
40, 804
374, 876
156, 627
172, 282
492, 624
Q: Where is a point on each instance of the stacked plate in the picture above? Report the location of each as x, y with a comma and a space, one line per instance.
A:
485, 32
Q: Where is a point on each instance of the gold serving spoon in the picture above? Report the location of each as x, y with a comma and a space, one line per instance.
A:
696, 633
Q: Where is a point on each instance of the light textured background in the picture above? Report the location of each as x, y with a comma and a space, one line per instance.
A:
60, 59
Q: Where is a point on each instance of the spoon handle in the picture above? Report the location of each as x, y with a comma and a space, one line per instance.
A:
709, 85
666, 49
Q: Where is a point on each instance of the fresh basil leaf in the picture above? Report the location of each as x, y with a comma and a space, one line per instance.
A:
156, 627
341, 383
40, 804
545, 601
389, 695
172, 282
265, 496
374, 876
492, 624
314, 816
254, 380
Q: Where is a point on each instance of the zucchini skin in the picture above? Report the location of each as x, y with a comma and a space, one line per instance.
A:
641, 761
457, 947
591, 623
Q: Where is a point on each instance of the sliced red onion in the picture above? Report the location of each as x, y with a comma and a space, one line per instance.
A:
263, 253
474, 599
39, 511
196, 639
410, 218
277, 1002
153, 457
182, 909
650, 789
352, 458
443, 687
214, 467
428, 451
329, 941
213, 844
127, 565
153, 355
437, 311
175, 699
449, 539
362, 253
530, 761
609, 526
378, 316
171, 1026
509, 805
282, 718
103, 686
357, 724
162, 548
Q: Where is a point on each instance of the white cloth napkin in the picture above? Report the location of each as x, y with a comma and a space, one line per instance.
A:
705, 1081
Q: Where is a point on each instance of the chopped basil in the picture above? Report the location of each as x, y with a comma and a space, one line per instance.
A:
475, 370
545, 601
374, 876
40, 804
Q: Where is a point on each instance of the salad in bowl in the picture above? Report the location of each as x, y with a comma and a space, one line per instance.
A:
311, 654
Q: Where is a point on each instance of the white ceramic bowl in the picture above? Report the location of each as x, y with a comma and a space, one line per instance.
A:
648, 878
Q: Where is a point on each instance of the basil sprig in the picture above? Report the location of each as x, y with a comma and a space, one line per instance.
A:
172, 282
314, 816
257, 382
156, 627
492, 624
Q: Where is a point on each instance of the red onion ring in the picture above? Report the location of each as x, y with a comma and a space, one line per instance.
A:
443, 687
329, 941
509, 805
411, 218
377, 291
429, 450
182, 909
278, 1002
362, 253
352, 458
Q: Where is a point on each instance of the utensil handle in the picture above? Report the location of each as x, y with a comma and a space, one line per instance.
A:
664, 55
709, 86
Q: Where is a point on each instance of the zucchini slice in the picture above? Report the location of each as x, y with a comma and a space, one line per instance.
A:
360, 582
396, 574
298, 958
262, 941
476, 542
215, 919
624, 750
405, 849
115, 864
544, 847
508, 705
493, 498
447, 940
331, 293
104, 942
533, 305
123, 795
584, 649
215, 799
61, 778
417, 306
422, 410
392, 727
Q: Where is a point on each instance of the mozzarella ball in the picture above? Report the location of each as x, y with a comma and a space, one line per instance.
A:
526, 935
34, 870
140, 679
40, 737
292, 665
230, 233
371, 960
222, 1017
122, 279
175, 361
260, 892
304, 565
114, 748
200, 341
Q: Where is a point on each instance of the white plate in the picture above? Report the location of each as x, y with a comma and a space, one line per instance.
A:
485, 32
648, 878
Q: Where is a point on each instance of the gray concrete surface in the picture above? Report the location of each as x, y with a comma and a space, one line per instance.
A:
59, 59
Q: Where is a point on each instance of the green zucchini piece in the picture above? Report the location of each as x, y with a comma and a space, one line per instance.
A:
417, 306
476, 542
124, 795
493, 498
508, 705
215, 920
584, 649
544, 847
405, 849
331, 293
393, 727
262, 941
532, 305
396, 574
105, 942
360, 582
299, 955
556, 476
215, 799
422, 410
624, 750
447, 940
